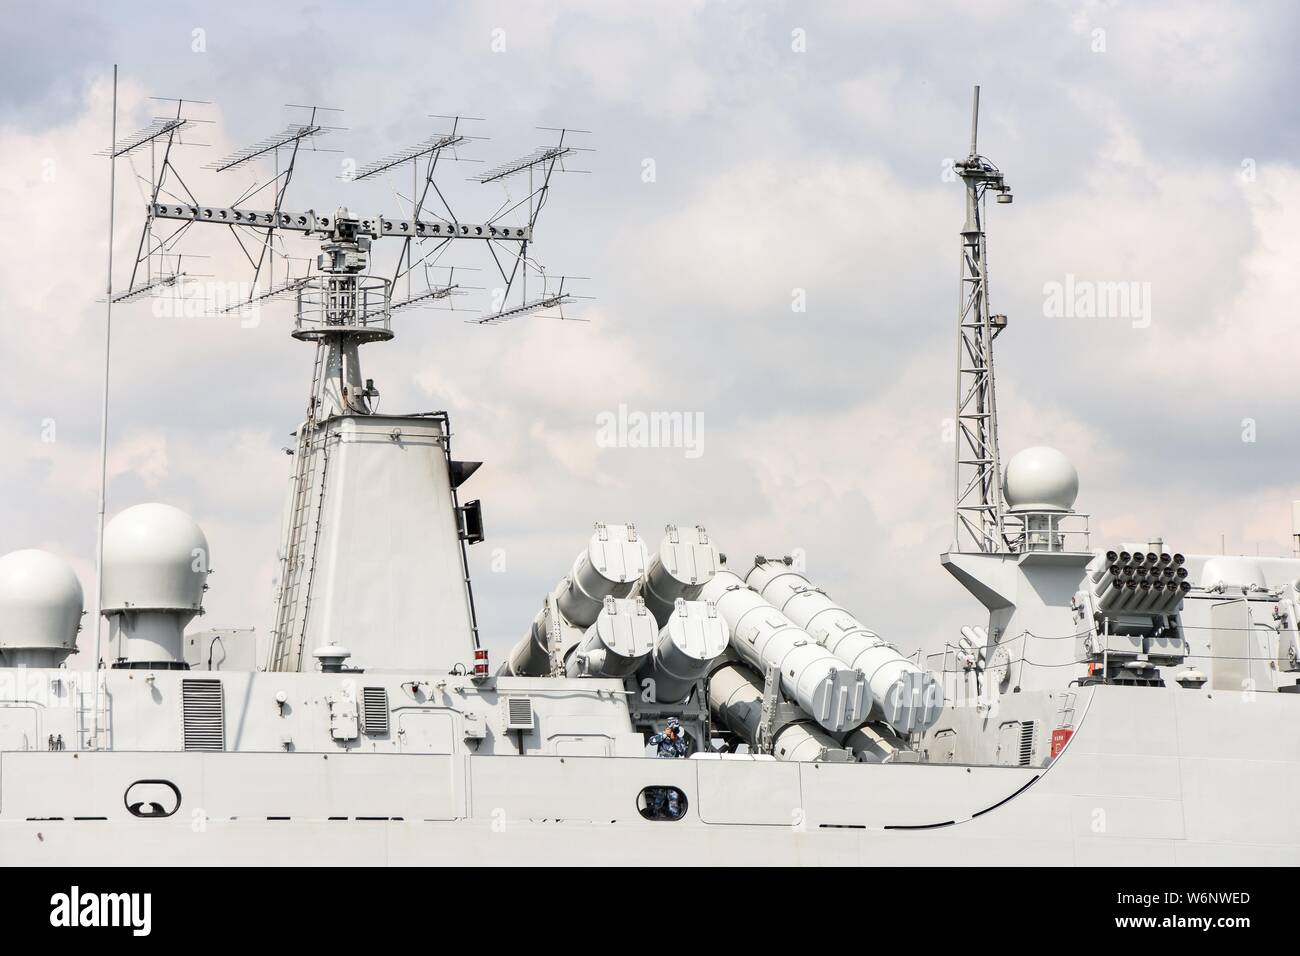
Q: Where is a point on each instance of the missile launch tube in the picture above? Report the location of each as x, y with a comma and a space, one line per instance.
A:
1106, 595
736, 699
1175, 591
1125, 597
903, 695
829, 690
694, 637
1106, 578
874, 744
685, 562
528, 658
613, 560
531, 657
1103, 562
616, 644
608, 567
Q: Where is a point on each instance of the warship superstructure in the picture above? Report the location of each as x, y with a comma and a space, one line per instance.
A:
1121, 703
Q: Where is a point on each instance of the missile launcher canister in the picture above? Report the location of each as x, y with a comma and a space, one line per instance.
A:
692, 639
736, 699
622, 636
903, 695
685, 562
835, 695
611, 565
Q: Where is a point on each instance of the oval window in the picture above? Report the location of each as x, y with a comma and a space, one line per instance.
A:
662, 803
152, 798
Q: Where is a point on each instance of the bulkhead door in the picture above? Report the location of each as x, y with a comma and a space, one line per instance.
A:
18, 729
426, 733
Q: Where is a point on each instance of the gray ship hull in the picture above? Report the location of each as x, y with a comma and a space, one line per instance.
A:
1151, 777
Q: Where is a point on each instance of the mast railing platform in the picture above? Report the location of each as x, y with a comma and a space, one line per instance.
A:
359, 307
1060, 531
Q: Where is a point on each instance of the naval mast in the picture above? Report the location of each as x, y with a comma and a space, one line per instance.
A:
977, 520
373, 546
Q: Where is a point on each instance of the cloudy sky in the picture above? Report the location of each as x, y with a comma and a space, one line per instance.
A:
747, 156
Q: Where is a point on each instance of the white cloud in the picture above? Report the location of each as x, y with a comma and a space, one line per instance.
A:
817, 171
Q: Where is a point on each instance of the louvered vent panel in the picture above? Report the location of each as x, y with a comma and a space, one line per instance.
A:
203, 714
1027, 743
374, 711
519, 713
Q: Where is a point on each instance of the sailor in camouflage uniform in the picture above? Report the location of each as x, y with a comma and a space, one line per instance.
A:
665, 802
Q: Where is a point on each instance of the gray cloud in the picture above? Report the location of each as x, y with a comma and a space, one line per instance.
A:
775, 171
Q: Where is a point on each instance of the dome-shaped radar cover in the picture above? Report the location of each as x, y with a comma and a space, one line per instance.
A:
40, 601
155, 557
1040, 479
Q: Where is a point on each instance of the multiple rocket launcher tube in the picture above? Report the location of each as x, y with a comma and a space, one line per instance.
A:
672, 617
1138, 582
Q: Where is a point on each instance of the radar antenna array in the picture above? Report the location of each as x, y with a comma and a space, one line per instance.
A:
162, 268
288, 143
424, 158
539, 165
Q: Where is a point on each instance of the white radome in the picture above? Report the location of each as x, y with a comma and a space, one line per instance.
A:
1040, 479
155, 558
41, 601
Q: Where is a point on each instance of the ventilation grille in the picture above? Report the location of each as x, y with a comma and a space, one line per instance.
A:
374, 711
203, 714
519, 713
1027, 742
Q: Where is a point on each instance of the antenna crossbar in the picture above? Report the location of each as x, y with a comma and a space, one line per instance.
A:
309, 222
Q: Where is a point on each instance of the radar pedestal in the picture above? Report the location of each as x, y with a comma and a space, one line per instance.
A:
378, 565
1039, 489
1028, 584
155, 572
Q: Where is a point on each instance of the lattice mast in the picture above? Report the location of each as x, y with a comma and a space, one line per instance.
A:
977, 520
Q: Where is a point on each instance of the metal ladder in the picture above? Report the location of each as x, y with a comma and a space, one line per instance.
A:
299, 559
1065, 716
85, 712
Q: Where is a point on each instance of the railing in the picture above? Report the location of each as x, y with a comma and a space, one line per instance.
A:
352, 305
1062, 531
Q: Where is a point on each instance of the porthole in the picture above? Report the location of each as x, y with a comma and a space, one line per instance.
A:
662, 803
